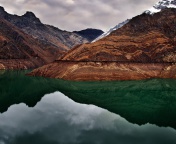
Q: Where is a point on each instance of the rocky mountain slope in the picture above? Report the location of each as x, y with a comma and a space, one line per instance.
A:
145, 38
27, 43
162, 4
21, 51
143, 48
48, 35
90, 34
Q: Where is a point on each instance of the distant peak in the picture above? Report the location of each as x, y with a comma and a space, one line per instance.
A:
29, 14
1, 8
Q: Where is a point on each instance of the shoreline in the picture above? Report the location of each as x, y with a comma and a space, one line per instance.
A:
105, 71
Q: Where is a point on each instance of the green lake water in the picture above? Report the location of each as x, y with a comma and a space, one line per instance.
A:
48, 111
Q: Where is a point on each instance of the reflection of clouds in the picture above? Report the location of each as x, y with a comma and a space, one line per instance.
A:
58, 119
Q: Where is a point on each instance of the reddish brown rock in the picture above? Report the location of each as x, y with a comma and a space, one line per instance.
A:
16, 47
27, 43
146, 38
91, 71
143, 48
2, 67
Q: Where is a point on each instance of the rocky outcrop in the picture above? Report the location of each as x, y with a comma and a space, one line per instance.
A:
143, 48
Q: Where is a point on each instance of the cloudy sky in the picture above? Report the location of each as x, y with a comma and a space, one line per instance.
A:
79, 14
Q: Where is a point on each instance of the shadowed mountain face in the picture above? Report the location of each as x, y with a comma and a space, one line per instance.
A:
21, 51
27, 43
90, 34
143, 48
47, 34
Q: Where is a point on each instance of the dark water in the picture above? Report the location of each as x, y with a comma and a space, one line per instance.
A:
40, 111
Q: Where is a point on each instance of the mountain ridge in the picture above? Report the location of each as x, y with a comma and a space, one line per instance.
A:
21, 51
143, 48
28, 43
141, 25
47, 34
162, 4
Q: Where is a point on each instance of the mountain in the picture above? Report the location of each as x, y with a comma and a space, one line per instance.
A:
162, 4
21, 51
21, 34
143, 48
90, 34
143, 39
47, 34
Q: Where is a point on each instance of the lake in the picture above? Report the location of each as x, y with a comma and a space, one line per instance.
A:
49, 111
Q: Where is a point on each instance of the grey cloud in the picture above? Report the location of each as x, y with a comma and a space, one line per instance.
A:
78, 14
58, 119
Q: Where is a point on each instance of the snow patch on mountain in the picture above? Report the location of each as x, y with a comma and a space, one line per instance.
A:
111, 30
161, 5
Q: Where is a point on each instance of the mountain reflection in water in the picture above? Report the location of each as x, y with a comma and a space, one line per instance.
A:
57, 119
140, 102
